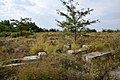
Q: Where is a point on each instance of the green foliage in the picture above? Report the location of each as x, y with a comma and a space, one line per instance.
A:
24, 24
74, 18
110, 30
98, 46
75, 46
5, 26
53, 30
87, 30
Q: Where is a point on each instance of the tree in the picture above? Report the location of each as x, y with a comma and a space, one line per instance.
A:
5, 26
53, 30
74, 18
24, 24
88, 30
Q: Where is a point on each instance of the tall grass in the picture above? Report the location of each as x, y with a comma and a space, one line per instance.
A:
59, 65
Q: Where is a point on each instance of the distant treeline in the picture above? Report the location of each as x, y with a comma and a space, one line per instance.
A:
110, 30
88, 30
24, 24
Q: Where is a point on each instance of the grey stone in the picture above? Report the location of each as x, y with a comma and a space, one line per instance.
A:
12, 65
75, 51
90, 56
31, 57
20, 61
79, 50
42, 54
68, 47
70, 52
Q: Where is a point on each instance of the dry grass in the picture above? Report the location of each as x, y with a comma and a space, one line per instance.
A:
58, 65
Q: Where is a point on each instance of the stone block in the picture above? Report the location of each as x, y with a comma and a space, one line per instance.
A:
42, 54
88, 57
70, 52
30, 58
68, 47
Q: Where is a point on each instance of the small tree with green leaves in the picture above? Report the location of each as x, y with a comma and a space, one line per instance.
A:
74, 18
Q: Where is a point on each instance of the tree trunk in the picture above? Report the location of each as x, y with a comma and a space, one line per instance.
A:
75, 36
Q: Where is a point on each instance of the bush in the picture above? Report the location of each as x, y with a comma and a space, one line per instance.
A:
25, 33
15, 34
98, 45
5, 34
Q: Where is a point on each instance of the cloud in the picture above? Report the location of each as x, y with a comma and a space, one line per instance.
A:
43, 12
24, 2
1, 3
106, 24
101, 7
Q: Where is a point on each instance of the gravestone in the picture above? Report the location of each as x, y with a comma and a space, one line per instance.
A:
27, 58
88, 57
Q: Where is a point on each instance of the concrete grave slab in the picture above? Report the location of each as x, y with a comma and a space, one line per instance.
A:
88, 57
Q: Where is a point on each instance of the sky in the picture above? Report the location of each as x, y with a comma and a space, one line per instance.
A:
43, 12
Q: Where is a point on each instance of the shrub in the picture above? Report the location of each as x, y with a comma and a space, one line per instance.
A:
98, 45
26, 33
5, 34
15, 34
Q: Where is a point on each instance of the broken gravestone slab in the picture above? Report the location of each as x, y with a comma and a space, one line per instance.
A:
75, 51
13, 65
88, 57
27, 58
18, 62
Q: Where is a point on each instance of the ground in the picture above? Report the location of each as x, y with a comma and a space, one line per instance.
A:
58, 65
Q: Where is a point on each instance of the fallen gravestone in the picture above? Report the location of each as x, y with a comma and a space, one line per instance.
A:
75, 51
24, 60
12, 65
83, 49
30, 58
88, 57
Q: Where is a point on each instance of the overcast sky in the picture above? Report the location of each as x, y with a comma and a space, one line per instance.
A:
43, 12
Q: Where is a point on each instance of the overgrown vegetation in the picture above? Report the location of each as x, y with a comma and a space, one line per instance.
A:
20, 38
59, 65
